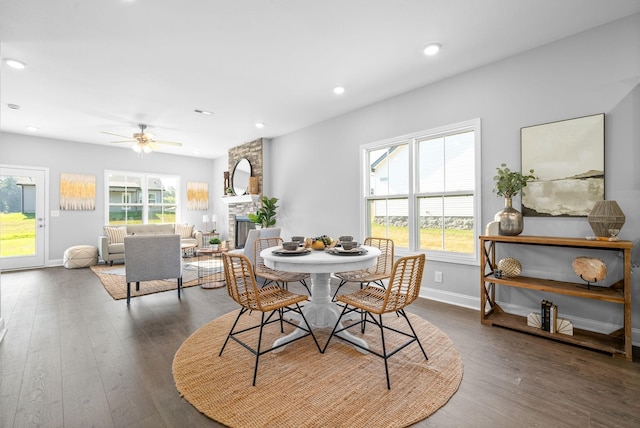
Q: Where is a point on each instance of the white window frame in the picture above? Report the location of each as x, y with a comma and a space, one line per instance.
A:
412, 140
144, 196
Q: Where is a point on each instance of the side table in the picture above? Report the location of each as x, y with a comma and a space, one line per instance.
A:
206, 236
210, 268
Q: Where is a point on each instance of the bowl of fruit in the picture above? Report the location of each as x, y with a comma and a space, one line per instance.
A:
320, 242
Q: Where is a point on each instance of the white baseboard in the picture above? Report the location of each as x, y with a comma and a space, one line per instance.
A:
472, 302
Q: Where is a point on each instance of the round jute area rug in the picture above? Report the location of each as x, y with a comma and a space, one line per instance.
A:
299, 387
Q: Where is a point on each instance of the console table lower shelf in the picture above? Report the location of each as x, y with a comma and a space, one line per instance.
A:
611, 343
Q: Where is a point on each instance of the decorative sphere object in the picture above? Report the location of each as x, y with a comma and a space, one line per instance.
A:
510, 267
590, 269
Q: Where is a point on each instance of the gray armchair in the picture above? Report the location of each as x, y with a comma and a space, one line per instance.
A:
151, 257
249, 245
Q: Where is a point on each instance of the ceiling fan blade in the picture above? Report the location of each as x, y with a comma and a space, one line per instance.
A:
168, 143
117, 135
123, 141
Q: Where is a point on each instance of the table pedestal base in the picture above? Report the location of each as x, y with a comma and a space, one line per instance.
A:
321, 312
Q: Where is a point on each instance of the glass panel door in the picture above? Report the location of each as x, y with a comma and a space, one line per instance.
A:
22, 219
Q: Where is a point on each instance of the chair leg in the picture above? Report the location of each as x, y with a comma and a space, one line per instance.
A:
401, 312
342, 282
334, 329
255, 370
179, 286
303, 282
384, 351
137, 285
128, 292
242, 311
309, 327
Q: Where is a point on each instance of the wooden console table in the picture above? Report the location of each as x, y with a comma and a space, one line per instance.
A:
618, 343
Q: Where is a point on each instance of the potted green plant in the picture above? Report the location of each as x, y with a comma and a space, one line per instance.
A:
215, 242
266, 215
229, 191
508, 184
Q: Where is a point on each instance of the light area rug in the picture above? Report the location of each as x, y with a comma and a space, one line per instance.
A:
299, 387
114, 282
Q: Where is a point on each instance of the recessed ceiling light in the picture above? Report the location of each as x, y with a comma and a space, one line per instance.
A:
32, 128
205, 112
14, 63
432, 49
338, 90
259, 125
13, 106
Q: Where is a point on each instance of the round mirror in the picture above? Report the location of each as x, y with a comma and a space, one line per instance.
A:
240, 178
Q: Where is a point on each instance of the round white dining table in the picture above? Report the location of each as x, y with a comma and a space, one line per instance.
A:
320, 310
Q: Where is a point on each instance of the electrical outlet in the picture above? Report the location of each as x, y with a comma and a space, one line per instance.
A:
438, 277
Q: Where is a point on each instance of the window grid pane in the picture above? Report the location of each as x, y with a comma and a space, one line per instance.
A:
388, 218
128, 200
389, 171
445, 185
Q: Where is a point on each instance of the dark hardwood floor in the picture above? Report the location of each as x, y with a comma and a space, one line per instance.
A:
74, 357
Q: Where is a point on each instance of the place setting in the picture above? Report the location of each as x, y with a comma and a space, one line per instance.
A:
295, 247
346, 246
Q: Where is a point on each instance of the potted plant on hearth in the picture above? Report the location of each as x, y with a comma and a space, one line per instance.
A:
508, 184
215, 242
266, 215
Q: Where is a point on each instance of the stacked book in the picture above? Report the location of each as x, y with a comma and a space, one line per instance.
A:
548, 316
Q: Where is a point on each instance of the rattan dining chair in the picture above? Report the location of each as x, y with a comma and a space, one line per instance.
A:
269, 275
375, 274
403, 288
269, 300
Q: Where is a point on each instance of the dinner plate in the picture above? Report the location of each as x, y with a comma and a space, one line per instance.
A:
299, 252
353, 252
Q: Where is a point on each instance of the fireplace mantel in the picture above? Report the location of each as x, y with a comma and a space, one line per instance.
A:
243, 199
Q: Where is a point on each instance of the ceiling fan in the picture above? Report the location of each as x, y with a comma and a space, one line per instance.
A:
143, 142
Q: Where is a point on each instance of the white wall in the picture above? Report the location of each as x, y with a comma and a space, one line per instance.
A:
316, 169
84, 227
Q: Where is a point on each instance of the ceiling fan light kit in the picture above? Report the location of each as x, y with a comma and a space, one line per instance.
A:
143, 142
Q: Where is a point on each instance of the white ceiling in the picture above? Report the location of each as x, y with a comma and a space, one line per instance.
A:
109, 65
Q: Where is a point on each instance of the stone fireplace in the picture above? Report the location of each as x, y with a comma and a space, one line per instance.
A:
253, 151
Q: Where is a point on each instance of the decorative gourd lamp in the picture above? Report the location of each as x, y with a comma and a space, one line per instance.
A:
606, 219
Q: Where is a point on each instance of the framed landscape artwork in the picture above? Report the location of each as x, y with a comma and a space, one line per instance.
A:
568, 159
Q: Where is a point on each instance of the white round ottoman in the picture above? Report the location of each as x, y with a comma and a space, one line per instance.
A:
80, 256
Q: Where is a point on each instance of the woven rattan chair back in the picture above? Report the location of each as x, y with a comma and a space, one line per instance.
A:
385, 260
241, 281
404, 285
259, 245
269, 275
375, 274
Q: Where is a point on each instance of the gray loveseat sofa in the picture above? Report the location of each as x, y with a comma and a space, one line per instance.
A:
111, 244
